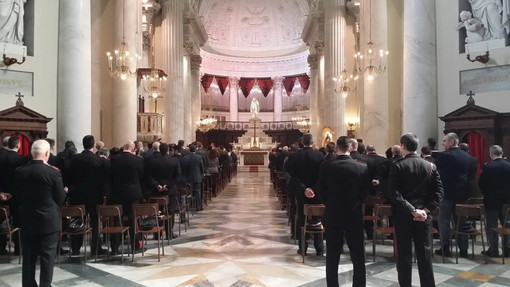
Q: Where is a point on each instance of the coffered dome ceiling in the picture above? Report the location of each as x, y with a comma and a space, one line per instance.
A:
254, 28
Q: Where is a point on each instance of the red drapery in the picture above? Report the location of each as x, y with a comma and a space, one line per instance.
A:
246, 84
477, 148
24, 144
222, 84
265, 84
207, 81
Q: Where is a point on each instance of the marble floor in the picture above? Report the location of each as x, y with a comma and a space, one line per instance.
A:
241, 239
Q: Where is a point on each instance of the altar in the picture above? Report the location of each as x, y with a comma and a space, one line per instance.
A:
254, 156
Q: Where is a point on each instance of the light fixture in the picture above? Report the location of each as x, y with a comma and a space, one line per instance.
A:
154, 80
119, 62
8, 61
345, 84
369, 64
351, 123
303, 124
480, 58
206, 124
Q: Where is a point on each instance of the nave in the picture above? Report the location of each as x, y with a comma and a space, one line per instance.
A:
242, 239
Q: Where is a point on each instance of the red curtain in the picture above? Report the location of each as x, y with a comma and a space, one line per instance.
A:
24, 144
304, 80
206, 81
265, 84
477, 148
222, 84
246, 84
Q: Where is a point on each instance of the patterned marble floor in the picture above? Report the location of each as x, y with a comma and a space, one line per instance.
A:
242, 240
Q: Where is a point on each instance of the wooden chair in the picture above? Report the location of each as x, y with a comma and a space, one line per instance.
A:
381, 214
9, 230
141, 211
165, 216
504, 230
75, 212
469, 210
184, 206
309, 211
108, 216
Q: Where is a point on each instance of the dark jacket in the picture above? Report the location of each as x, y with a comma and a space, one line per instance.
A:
495, 184
9, 161
342, 187
453, 166
87, 178
39, 190
304, 168
126, 176
414, 183
195, 168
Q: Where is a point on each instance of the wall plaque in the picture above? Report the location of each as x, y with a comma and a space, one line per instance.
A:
484, 80
12, 82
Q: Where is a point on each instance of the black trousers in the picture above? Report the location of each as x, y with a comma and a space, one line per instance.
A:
127, 209
197, 193
352, 228
43, 246
77, 240
408, 231
317, 237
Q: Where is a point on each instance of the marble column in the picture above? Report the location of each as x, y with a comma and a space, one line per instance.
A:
277, 89
196, 99
376, 94
74, 98
124, 95
233, 86
313, 63
172, 39
334, 106
420, 85
188, 135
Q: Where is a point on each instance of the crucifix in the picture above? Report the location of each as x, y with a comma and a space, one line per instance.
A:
470, 100
19, 101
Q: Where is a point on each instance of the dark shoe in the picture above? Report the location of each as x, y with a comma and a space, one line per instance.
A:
463, 253
100, 252
319, 253
64, 251
300, 252
446, 251
75, 253
183, 219
114, 252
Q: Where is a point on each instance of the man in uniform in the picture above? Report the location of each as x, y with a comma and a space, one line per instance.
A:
415, 190
343, 187
39, 190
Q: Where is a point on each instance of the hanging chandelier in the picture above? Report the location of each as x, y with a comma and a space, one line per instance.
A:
303, 124
370, 64
119, 63
345, 84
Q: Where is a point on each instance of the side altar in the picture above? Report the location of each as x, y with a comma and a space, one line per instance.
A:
254, 145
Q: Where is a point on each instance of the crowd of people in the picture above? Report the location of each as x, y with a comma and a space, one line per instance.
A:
417, 182
36, 186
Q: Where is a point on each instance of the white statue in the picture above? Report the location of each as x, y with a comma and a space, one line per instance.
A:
254, 108
494, 16
11, 21
474, 28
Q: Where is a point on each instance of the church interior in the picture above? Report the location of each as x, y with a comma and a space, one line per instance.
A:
253, 76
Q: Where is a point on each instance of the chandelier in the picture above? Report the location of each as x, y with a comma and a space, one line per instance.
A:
154, 80
345, 84
119, 63
303, 124
204, 125
369, 64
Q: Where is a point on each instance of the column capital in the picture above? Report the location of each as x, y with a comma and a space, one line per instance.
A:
313, 61
196, 61
188, 49
319, 47
233, 82
278, 81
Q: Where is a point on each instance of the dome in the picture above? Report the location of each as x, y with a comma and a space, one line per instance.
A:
249, 28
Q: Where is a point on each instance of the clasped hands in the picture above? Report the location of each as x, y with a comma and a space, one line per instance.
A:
309, 193
5, 196
162, 187
419, 215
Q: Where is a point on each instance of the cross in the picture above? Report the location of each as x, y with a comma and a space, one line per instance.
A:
470, 100
19, 101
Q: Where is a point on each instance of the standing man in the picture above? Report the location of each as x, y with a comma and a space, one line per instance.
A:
87, 180
415, 190
126, 175
343, 187
40, 192
304, 168
453, 165
495, 185
194, 175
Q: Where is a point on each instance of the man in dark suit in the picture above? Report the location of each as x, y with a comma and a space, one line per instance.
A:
343, 187
39, 190
194, 175
304, 172
495, 185
415, 190
126, 177
180, 148
10, 160
453, 165
473, 169
87, 181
